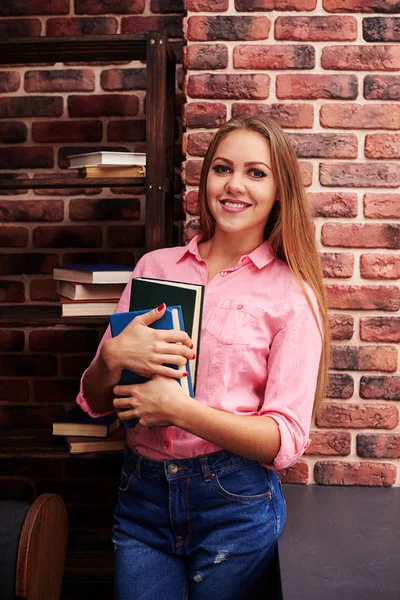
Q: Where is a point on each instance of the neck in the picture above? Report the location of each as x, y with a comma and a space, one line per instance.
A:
228, 247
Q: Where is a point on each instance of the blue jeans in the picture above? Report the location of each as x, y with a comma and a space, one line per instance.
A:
201, 528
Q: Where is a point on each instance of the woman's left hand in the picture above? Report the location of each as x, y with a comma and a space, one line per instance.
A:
154, 403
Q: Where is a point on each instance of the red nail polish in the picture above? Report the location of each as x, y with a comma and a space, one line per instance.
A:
191, 347
193, 357
160, 308
185, 374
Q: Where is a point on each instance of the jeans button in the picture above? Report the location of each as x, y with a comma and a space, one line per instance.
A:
172, 469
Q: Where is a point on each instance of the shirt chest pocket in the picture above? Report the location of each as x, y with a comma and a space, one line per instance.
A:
233, 322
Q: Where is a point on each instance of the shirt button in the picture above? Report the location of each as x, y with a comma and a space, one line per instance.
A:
223, 273
239, 306
166, 444
173, 469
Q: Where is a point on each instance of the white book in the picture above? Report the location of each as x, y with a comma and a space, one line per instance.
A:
106, 158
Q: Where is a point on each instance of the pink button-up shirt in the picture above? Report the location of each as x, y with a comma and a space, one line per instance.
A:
259, 349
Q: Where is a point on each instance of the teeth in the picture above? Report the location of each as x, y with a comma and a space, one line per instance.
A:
235, 204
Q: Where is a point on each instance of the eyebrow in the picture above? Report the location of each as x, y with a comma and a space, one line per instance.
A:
253, 162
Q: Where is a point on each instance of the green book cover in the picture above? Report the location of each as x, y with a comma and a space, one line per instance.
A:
147, 292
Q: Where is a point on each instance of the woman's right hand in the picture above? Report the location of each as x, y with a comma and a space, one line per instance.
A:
143, 350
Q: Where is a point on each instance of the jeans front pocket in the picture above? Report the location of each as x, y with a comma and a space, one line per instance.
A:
127, 480
232, 322
247, 483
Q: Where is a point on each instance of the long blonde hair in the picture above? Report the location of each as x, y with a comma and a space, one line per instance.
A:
290, 227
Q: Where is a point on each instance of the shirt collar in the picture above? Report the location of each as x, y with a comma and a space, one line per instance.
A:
260, 257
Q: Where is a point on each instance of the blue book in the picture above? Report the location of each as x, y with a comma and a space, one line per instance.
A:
172, 319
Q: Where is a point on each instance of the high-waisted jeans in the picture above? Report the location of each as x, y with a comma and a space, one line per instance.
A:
202, 528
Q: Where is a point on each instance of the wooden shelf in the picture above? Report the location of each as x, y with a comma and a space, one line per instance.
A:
11, 182
32, 315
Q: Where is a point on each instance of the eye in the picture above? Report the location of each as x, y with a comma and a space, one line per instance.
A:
221, 169
257, 173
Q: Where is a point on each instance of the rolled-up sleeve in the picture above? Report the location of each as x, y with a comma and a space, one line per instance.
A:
292, 372
122, 306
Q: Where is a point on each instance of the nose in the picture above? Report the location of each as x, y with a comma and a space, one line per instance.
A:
235, 183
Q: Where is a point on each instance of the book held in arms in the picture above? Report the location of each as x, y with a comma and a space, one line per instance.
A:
77, 422
152, 292
81, 444
171, 319
107, 158
93, 273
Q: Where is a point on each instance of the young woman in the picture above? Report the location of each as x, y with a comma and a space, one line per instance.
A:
200, 506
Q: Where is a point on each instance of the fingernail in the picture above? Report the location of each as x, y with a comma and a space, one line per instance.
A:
191, 347
185, 374
193, 357
161, 307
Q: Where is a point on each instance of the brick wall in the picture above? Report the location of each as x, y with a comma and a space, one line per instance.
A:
328, 72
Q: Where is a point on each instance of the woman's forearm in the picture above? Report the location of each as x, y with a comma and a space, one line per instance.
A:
98, 384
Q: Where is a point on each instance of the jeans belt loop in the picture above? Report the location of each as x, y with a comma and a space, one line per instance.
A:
205, 468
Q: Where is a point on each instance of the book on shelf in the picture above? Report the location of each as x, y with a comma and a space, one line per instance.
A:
84, 308
106, 157
152, 292
81, 444
89, 291
171, 319
77, 422
93, 273
108, 171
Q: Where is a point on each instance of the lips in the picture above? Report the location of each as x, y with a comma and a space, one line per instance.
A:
233, 206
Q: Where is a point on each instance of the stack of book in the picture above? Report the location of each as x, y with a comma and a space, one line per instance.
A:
109, 164
90, 289
87, 434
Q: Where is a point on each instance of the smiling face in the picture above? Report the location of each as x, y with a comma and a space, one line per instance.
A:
241, 188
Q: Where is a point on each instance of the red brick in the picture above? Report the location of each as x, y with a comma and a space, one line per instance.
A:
126, 131
296, 474
33, 106
9, 81
172, 25
75, 236
382, 145
71, 80
324, 145
63, 340
206, 56
273, 57
23, 157
28, 263
64, 390
360, 116
329, 443
354, 174
366, 6
35, 7
356, 473
64, 191
364, 358
206, 29
361, 58
66, 151
74, 366
333, 204
363, 297
81, 26
381, 445
380, 266
28, 417
102, 256
207, 5
316, 29
306, 173
191, 203
382, 206
67, 131
381, 29
31, 210
197, 143
380, 329
15, 390
311, 86
381, 87
340, 386
100, 7
11, 340
380, 387
28, 365
12, 291
361, 235
190, 229
295, 116
14, 237
43, 290
337, 264
341, 326
114, 80
13, 132
126, 236
10, 28
229, 86
372, 416
250, 5
167, 6
104, 209
103, 105
204, 114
